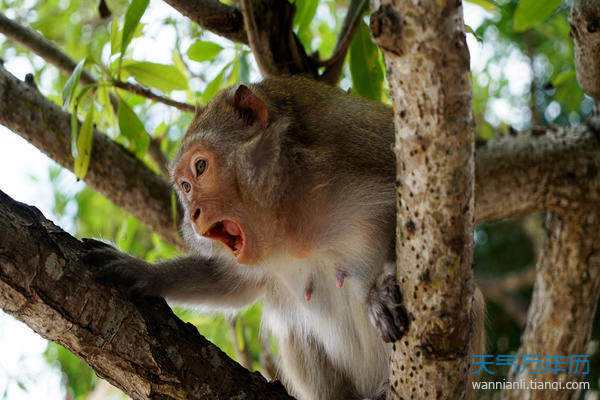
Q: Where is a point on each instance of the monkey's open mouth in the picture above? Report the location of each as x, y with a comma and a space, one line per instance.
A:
229, 233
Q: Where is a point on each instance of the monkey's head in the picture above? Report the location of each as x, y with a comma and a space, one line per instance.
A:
231, 173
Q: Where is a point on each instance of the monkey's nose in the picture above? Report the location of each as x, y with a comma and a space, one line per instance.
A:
196, 214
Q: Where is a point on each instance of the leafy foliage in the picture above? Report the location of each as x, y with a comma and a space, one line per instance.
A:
366, 66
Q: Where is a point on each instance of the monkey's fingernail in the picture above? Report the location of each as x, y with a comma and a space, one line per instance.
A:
340, 276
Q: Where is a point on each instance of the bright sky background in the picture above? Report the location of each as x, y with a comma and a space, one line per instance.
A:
20, 348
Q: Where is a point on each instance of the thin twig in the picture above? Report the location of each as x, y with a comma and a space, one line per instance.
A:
145, 92
40, 46
52, 54
261, 54
333, 65
498, 290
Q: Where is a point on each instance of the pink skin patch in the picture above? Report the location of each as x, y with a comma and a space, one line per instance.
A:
340, 276
308, 290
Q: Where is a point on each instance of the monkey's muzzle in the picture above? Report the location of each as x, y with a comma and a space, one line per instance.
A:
229, 233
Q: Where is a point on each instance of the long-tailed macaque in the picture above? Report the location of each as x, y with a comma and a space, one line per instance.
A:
288, 191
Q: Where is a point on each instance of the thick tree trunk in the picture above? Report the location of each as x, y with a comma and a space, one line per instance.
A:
428, 69
585, 31
564, 299
139, 346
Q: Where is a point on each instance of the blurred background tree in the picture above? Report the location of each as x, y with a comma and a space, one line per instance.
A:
523, 76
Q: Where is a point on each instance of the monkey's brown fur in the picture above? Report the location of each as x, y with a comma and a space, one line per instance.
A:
289, 199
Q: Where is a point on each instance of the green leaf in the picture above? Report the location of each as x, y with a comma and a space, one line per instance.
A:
365, 65
72, 82
470, 30
132, 18
530, 13
202, 50
74, 132
487, 5
213, 87
115, 36
133, 129
244, 67
563, 77
305, 12
160, 76
84, 145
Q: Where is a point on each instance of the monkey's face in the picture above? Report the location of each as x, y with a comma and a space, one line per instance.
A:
229, 178
212, 203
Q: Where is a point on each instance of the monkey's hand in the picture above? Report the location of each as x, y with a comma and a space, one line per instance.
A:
116, 268
386, 310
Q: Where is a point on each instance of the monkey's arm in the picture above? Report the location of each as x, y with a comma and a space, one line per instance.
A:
194, 279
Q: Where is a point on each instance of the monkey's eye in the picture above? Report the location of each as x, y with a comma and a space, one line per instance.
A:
199, 167
186, 186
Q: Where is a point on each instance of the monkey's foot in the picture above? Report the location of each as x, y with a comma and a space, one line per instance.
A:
118, 269
386, 310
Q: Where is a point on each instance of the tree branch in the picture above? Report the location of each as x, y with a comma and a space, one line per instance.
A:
260, 48
334, 65
278, 49
52, 54
214, 16
428, 72
149, 94
518, 175
565, 295
585, 31
498, 290
40, 46
138, 345
113, 171
514, 175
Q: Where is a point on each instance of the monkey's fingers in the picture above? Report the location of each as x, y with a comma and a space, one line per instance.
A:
134, 280
100, 256
386, 311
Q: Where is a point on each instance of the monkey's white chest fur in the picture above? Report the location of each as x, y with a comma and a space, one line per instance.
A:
329, 321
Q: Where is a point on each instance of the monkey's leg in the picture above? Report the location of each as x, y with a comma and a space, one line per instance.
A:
385, 308
308, 373
194, 279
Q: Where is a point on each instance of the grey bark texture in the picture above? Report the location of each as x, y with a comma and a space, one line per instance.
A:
427, 63
138, 345
585, 31
270, 34
565, 296
113, 171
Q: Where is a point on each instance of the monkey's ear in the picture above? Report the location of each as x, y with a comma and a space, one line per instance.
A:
251, 108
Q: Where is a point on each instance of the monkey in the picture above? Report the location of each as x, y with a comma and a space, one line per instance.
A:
287, 188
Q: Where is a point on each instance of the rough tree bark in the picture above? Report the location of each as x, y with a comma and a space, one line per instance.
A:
565, 296
585, 31
138, 345
567, 285
113, 171
427, 63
